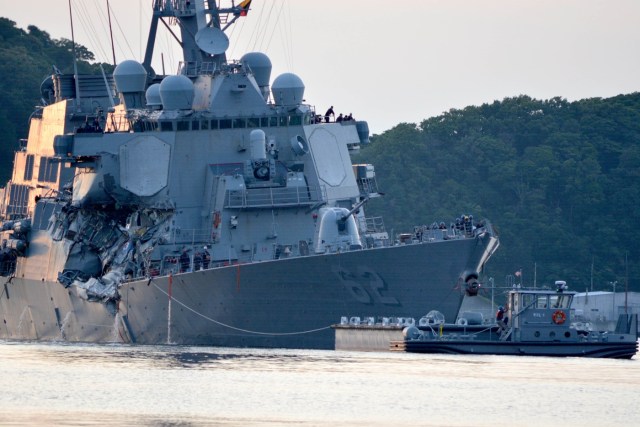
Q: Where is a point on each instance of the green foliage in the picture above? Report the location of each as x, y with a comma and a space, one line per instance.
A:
560, 181
26, 59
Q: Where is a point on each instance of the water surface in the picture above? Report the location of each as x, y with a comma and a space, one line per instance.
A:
117, 385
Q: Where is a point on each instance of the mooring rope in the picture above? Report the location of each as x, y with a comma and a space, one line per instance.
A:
233, 327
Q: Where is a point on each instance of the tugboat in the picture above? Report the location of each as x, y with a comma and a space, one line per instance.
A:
535, 323
540, 325
212, 207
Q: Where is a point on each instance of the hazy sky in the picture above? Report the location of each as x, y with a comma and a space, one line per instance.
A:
402, 61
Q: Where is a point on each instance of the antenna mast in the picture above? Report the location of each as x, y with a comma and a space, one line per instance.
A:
75, 59
113, 50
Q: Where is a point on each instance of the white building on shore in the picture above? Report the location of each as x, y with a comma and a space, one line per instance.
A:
602, 309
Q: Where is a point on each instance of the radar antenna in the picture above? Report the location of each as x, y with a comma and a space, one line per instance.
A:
201, 41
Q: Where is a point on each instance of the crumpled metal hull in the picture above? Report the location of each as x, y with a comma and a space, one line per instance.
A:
288, 303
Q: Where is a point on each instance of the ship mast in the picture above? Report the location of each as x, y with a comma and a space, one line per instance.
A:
202, 40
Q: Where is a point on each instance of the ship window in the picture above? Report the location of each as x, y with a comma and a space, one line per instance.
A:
239, 123
28, 167
18, 201
253, 122
264, 122
542, 301
214, 124
183, 125
295, 120
283, 121
166, 126
527, 301
560, 301
151, 126
225, 123
273, 121
48, 171
204, 125
195, 125
307, 119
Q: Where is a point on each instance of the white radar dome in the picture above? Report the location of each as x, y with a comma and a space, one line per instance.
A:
260, 65
153, 95
130, 77
287, 89
176, 93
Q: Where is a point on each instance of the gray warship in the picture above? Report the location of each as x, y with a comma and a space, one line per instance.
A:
211, 207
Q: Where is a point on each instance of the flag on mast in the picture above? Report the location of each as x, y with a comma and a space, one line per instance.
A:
245, 7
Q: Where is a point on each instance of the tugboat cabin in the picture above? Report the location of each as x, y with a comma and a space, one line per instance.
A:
541, 315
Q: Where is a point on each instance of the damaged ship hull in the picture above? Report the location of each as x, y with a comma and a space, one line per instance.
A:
210, 207
287, 303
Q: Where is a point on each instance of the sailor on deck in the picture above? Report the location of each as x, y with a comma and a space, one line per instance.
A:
328, 114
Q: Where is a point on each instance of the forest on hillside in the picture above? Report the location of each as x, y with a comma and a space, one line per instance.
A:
559, 180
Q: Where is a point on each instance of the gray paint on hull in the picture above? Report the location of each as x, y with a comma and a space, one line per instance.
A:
266, 304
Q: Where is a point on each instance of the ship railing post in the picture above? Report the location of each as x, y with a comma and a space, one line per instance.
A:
169, 309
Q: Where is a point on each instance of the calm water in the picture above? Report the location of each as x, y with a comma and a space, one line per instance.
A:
96, 385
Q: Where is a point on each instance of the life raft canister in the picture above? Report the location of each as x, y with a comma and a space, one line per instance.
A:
558, 317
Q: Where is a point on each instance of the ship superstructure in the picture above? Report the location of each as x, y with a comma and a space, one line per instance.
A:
209, 207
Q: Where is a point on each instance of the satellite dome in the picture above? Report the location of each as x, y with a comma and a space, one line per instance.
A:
153, 95
287, 89
176, 93
260, 65
130, 77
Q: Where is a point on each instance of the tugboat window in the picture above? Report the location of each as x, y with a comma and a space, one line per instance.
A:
542, 302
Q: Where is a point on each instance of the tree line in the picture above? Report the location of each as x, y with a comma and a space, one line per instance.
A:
559, 181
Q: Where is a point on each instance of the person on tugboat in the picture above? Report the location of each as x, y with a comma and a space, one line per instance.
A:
501, 319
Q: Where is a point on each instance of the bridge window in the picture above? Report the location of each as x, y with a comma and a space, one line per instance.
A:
195, 125
183, 125
239, 123
166, 126
295, 120
253, 122
214, 124
204, 125
264, 122
48, 171
28, 168
273, 121
225, 123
